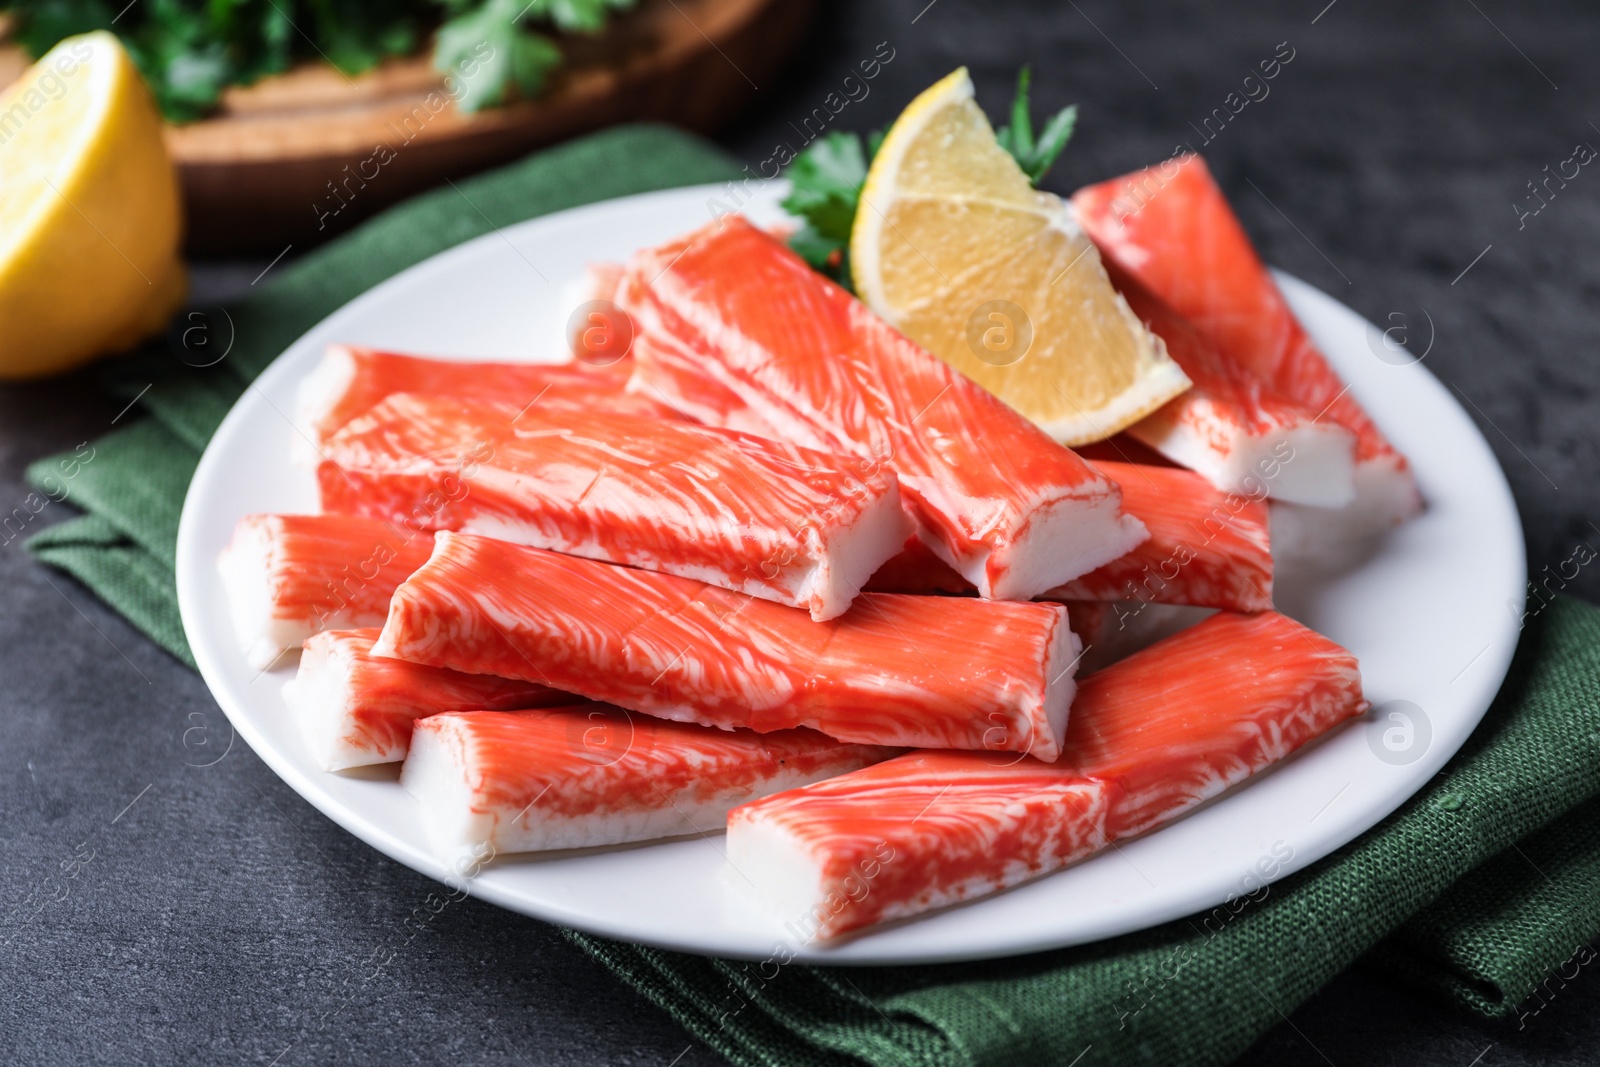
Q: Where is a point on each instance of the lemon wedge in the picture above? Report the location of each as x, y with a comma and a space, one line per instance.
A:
89, 210
954, 247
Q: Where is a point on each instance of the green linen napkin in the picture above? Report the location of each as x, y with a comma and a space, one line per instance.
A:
1443, 888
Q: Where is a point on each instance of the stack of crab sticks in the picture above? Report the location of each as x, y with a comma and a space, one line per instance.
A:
778, 569
1150, 737
740, 318
1187, 248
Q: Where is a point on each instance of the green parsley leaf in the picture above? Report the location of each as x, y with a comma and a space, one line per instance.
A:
489, 52
190, 51
580, 16
1035, 157
827, 179
825, 186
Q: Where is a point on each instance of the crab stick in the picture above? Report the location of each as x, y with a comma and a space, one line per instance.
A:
1233, 428
287, 577
357, 709
351, 380
931, 672
1172, 228
734, 319
1206, 548
1150, 737
750, 514
490, 782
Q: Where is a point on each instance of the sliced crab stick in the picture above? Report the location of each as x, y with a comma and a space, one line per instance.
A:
750, 514
357, 709
918, 832
1206, 548
930, 672
289, 576
1150, 737
1197, 712
351, 380
733, 316
491, 782
1233, 428
1172, 227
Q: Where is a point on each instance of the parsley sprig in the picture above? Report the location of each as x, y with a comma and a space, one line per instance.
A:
520, 57
191, 50
826, 178
1035, 157
825, 187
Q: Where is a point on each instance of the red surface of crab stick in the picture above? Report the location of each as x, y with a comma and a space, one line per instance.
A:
1206, 549
917, 832
1184, 719
1231, 426
357, 709
750, 514
1172, 227
493, 782
350, 380
289, 576
1150, 737
729, 318
930, 672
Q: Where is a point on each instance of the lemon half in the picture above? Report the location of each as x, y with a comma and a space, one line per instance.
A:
955, 248
89, 210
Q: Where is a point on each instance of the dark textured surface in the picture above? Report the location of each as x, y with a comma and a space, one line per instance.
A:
220, 918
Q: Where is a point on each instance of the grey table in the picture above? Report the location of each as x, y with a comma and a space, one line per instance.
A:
222, 919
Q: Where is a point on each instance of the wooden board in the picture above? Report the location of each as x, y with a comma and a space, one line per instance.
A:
299, 157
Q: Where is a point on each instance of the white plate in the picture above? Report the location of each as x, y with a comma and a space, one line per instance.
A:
1433, 617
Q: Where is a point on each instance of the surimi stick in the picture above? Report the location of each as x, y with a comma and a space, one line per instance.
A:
921, 831
288, 576
1150, 737
1173, 228
1206, 548
1173, 735
357, 709
1232, 427
750, 514
492, 782
933, 672
728, 314
352, 379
